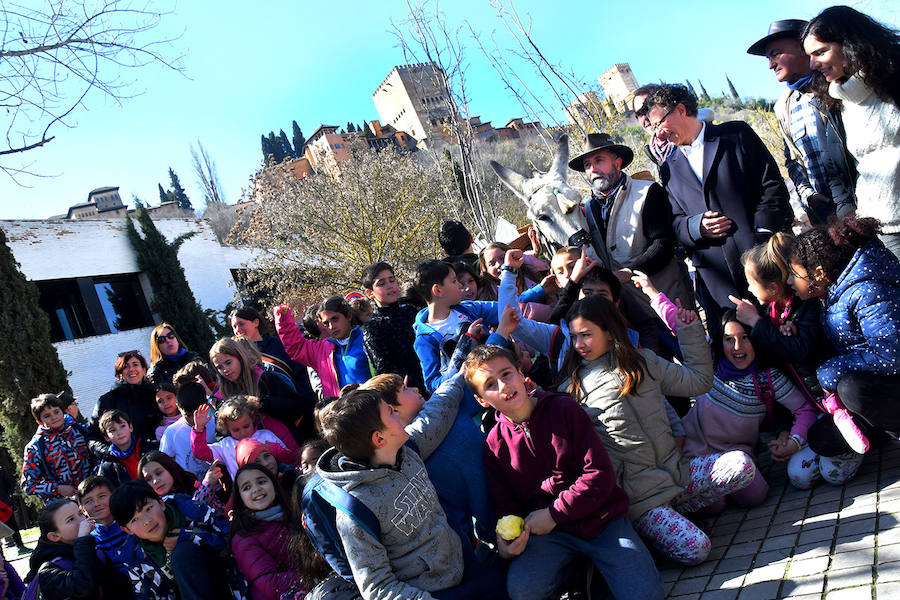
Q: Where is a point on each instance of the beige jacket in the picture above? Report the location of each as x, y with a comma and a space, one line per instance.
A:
635, 429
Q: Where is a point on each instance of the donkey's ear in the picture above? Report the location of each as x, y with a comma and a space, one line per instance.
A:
560, 164
567, 198
512, 180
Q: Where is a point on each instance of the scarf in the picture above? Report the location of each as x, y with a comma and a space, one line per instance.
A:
273, 513
801, 83
124, 453
780, 318
726, 370
175, 357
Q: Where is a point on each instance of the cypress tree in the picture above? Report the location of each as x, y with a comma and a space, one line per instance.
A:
691, 88
286, 144
173, 299
29, 364
368, 132
164, 196
266, 150
734, 93
178, 193
703, 95
299, 140
276, 147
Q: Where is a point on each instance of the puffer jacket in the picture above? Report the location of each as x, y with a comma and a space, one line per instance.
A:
429, 343
82, 580
862, 316
635, 429
263, 558
56, 457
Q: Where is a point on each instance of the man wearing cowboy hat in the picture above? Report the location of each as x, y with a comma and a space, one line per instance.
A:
630, 220
814, 149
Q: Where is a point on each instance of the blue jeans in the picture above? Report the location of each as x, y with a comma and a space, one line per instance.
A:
618, 553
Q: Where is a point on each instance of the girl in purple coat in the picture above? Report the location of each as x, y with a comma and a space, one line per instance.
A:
261, 538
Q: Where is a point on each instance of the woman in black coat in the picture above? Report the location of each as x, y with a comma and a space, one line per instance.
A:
133, 394
167, 354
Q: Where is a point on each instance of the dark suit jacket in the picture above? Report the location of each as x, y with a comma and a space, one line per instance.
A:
740, 180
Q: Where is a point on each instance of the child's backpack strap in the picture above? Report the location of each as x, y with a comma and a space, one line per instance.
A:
556, 345
320, 502
32, 592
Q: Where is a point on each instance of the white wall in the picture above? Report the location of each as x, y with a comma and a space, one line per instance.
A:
67, 249
91, 362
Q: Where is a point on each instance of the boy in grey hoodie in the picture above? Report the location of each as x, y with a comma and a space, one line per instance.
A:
418, 556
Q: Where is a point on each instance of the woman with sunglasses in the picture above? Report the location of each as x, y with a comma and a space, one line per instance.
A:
849, 269
167, 354
133, 394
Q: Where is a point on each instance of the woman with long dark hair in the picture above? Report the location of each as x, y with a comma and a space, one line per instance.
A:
860, 58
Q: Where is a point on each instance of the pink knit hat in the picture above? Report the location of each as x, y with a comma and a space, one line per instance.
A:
248, 450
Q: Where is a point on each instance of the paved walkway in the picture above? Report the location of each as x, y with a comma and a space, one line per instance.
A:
835, 543
827, 543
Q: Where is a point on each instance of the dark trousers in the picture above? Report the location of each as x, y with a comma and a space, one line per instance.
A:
16, 536
485, 580
873, 401
199, 573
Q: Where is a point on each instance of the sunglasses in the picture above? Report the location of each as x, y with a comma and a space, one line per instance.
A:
127, 352
161, 339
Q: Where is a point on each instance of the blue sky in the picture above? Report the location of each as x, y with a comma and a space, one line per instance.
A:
251, 71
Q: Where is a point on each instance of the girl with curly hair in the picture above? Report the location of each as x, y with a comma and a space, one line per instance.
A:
858, 281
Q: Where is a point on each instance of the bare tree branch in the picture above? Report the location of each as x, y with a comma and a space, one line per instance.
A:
207, 175
53, 55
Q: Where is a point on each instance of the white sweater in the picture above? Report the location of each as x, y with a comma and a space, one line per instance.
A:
873, 137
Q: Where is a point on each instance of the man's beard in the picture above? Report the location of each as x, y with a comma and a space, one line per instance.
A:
602, 184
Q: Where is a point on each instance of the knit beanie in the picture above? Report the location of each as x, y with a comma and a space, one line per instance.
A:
248, 450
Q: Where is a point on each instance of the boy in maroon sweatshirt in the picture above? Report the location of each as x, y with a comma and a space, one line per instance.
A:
545, 462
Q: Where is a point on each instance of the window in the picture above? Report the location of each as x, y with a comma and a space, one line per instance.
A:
87, 306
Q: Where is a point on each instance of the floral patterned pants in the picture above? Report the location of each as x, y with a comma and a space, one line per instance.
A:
712, 478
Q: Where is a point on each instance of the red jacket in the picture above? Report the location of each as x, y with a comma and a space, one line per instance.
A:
554, 459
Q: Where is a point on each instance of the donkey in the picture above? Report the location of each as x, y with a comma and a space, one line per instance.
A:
553, 206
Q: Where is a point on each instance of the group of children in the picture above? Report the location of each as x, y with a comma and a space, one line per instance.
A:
442, 411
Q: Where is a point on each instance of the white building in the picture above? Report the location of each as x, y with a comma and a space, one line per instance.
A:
96, 296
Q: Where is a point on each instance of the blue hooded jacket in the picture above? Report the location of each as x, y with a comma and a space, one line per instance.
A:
862, 316
429, 343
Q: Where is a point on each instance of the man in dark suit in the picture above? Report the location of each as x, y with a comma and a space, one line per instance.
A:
725, 190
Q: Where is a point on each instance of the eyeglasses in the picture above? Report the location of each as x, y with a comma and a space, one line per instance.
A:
129, 352
796, 276
653, 127
161, 339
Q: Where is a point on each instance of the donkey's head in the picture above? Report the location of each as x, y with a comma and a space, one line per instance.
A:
553, 206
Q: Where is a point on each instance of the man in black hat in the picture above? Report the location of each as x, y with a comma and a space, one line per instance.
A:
630, 220
725, 192
814, 150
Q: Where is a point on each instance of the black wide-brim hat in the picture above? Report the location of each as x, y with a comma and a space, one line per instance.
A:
778, 29
601, 141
